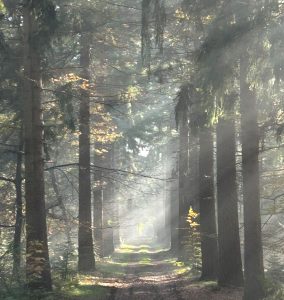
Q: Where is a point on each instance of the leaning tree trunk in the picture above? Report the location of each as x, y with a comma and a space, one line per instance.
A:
209, 249
37, 259
86, 260
253, 257
230, 261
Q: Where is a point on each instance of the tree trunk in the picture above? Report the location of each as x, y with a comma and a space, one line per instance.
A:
253, 257
193, 176
67, 225
108, 206
19, 210
86, 260
116, 235
230, 261
173, 197
37, 259
98, 213
207, 206
174, 217
183, 186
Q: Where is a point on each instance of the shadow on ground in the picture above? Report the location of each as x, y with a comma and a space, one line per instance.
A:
146, 273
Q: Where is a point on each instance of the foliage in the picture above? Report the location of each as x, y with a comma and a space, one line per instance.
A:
193, 244
194, 60
46, 22
2, 9
274, 289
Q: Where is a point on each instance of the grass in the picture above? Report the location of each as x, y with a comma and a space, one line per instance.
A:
140, 253
125, 248
127, 260
113, 268
80, 287
79, 291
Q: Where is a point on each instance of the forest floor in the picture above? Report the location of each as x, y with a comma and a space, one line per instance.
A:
146, 274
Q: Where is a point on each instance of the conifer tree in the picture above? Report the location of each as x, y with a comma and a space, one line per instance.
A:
37, 33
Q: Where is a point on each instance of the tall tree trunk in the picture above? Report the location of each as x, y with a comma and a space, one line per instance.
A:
207, 206
174, 201
19, 210
98, 213
86, 260
253, 257
230, 261
174, 220
68, 226
108, 207
167, 190
183, 184
193, 244
37, 259
116, 235
193, 173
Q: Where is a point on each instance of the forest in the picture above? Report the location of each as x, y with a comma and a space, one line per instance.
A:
141, 152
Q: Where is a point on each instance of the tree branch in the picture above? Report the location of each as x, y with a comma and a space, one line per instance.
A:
7, 179
6, 226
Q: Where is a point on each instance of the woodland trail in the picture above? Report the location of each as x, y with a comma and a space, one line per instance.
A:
153, 276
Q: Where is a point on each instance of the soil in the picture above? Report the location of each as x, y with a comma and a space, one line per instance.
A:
159, 279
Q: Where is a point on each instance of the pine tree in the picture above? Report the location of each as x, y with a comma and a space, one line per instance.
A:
86, 260
37, 33
230, 261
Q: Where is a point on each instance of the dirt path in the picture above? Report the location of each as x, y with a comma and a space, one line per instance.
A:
155, 276
169, 287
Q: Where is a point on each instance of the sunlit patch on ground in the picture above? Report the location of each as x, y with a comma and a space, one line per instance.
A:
136, 273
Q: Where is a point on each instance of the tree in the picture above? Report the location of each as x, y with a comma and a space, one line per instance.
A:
199, 108
253, 259
98, 205
230, 261
183, 181
208, 232
19, 209
109, 204
86, 260
221, 70
36, 35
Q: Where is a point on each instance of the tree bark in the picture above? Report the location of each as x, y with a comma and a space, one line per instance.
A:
98, 213
230, 261
207, 206
68, 227
19, 210
183, 227
37, 259
86, 260
174, 200
116, 231
108, 207
174, 218
193, 170
253, 257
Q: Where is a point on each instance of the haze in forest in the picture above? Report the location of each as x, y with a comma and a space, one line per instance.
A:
141, 149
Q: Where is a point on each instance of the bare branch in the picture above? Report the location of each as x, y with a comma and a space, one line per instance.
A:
7, 179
